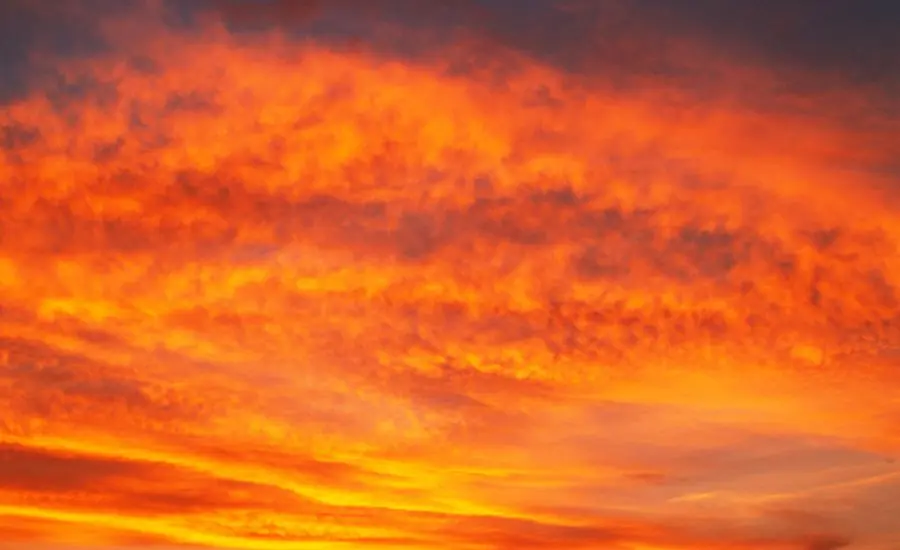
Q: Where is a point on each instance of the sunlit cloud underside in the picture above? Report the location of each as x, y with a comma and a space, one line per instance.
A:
267, 293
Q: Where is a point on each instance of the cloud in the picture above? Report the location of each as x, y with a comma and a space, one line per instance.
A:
270, 12
259, 289
828, 543
96, 483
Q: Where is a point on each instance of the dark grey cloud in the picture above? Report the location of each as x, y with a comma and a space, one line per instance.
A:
828, 42
859, 40
30, 29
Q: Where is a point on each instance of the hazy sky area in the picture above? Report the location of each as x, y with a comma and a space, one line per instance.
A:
463, 274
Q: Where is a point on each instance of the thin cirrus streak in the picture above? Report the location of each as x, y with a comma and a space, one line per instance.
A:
266, 293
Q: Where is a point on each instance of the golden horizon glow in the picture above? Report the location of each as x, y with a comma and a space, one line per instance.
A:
262, 293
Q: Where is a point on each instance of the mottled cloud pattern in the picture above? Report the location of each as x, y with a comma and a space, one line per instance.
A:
300, 275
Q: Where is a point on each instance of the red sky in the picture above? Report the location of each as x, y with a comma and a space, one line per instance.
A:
274, 291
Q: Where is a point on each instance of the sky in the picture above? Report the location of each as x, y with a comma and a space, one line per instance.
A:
475, 275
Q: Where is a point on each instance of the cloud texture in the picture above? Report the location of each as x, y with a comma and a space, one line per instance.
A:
268, 287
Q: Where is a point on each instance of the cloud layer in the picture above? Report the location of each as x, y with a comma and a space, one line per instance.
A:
270, 290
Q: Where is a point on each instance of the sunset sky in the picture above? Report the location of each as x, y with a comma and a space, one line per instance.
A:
452, 275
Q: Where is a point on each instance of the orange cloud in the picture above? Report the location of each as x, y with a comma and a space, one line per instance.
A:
263, 293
